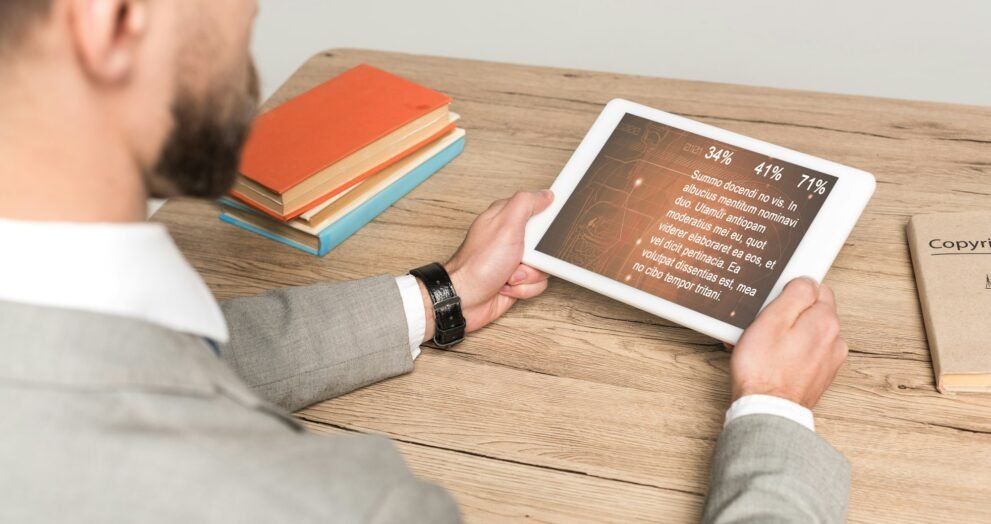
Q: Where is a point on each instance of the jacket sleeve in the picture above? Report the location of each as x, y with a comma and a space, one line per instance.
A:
770, 469
300, 346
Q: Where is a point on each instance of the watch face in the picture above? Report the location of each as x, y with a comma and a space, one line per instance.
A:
450, 322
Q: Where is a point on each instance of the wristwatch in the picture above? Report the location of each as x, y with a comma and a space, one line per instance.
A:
448, 320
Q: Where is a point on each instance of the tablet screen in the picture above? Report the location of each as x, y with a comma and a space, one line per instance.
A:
686, 218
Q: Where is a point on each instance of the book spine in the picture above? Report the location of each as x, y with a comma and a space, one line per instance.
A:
349, 224
918, 266
271, 236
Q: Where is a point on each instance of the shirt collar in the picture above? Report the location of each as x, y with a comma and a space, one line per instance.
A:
132, 270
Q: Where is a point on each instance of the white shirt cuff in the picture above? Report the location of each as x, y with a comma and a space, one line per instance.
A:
409, 290
769, 405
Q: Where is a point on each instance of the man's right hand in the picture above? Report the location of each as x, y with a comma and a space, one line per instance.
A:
793, 349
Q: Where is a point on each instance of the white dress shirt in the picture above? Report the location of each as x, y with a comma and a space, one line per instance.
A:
136, 271
130, 270
416, 319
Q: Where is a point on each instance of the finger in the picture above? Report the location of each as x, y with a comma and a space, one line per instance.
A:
524, 205
826, 296
526, 275
524, 291
820, 320
728, 346
798, 295
496, 207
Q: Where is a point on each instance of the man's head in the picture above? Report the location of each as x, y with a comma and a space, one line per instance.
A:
171, 80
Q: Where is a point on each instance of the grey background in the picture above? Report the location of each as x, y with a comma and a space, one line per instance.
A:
900, 49
908, 49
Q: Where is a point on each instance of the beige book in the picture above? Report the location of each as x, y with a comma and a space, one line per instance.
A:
316, 220
951, 255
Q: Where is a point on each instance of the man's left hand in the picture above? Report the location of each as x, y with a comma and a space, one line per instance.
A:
487, 270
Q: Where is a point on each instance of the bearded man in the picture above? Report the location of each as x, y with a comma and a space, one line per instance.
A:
130, 394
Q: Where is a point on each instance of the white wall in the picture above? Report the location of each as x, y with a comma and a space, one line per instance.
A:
927, 50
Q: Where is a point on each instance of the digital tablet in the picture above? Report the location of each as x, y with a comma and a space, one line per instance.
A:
692, 223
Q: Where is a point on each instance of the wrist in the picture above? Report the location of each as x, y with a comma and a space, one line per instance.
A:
770, 405
428, 313
463, 287
749, 390
461, 283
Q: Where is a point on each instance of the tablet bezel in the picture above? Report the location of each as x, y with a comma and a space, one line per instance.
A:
813, 256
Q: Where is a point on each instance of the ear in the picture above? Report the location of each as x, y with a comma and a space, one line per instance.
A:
106, 34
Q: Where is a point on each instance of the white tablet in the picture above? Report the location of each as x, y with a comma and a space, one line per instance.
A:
690, 222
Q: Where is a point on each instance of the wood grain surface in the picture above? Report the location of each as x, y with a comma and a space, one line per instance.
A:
576, 408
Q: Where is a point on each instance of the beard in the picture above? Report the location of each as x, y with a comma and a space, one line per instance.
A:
200, 158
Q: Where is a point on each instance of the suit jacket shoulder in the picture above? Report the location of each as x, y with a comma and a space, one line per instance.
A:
120, 421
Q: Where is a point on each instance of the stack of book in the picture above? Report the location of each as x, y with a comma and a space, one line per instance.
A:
321, 166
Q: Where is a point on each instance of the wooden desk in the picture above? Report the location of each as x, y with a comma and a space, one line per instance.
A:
577, 408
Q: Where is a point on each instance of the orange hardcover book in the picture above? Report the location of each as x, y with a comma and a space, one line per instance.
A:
324, 188
316, 144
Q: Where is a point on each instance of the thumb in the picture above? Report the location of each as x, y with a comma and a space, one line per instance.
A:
524, 205
544, 201
798, 295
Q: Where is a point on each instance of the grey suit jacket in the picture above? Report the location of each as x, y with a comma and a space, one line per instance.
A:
108, 419
769, 469
114, 420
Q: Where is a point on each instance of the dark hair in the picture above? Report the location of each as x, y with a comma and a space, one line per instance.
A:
17, 17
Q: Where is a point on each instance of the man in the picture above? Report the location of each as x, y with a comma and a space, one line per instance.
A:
129, 395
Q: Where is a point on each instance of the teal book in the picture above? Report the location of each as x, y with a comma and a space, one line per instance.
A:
340, 230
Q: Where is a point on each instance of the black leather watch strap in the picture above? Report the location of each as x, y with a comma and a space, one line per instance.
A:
448, 319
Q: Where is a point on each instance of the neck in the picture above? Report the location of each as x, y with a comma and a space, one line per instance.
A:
62, 161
